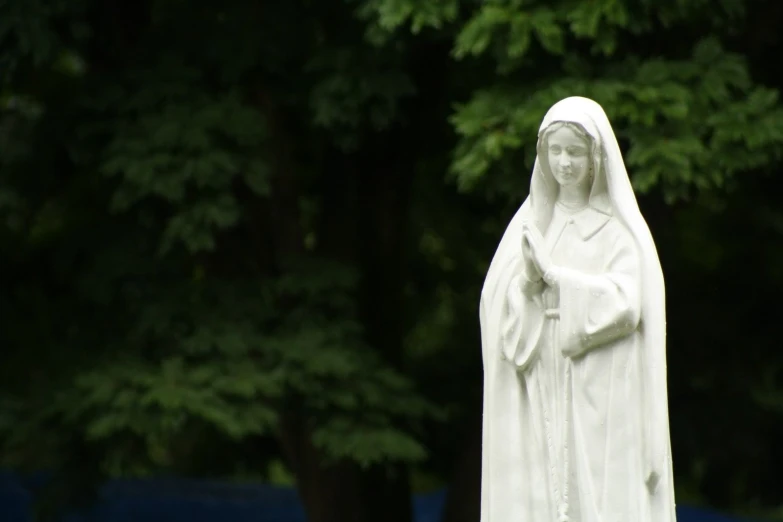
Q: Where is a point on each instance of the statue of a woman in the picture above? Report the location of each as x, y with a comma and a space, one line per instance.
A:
576, 423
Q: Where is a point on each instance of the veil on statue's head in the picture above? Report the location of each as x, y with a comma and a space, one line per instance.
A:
584, 115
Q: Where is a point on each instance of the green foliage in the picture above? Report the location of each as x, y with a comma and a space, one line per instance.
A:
341, 438
356, 89
385, 16
685, 124
27, 30
233, 357
185, 147
189, 340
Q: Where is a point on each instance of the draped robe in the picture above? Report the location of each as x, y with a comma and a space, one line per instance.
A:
574, 407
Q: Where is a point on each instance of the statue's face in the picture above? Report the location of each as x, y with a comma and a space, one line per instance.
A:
569, 156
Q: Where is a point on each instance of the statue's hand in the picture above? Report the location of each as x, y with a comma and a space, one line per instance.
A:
537, 251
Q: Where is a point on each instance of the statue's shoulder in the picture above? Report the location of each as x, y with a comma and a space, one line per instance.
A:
617, 233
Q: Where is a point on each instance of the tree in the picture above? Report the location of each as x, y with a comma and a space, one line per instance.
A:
675, 78
196, 228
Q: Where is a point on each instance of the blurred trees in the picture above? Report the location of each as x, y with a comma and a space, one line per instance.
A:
256, 231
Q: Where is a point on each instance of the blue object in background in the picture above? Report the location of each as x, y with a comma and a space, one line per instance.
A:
185, 500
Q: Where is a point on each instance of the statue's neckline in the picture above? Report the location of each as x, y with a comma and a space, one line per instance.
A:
571, 210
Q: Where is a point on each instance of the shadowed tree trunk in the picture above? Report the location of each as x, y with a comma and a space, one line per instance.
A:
330, 493
363, 223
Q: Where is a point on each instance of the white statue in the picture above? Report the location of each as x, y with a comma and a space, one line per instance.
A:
576, 424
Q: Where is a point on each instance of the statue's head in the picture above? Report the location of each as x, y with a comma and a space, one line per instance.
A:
566, 152
570, 154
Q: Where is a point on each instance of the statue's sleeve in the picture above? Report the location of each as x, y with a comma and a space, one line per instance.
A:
596, 309
521, 319
527, 284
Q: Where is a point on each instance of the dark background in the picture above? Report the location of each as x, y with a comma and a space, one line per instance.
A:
245, 240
